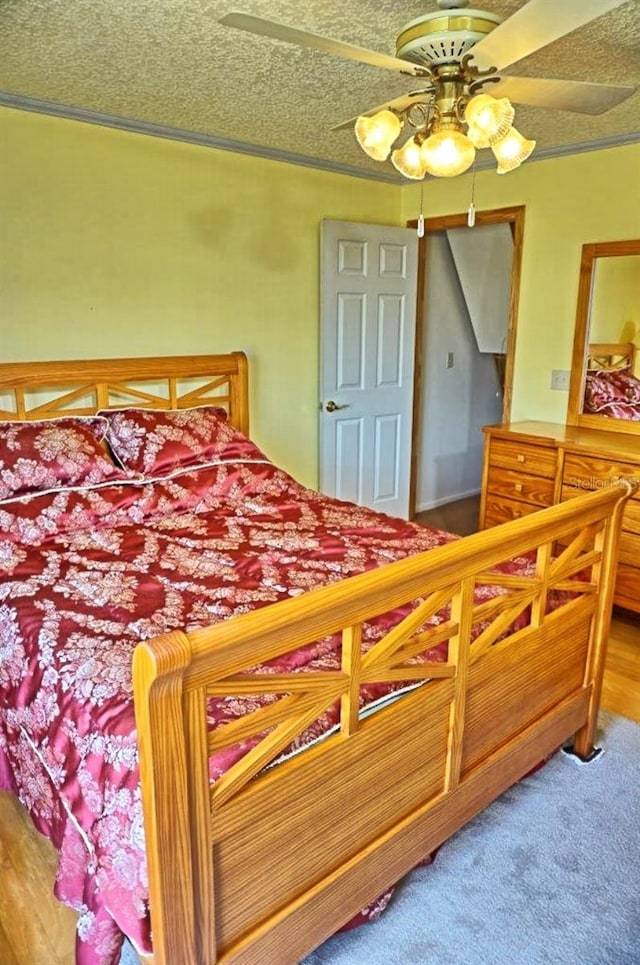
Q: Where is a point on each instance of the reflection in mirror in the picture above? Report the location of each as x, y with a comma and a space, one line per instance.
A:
605, 374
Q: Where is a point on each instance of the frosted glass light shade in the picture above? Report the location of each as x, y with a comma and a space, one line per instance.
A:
376, 134
447, 154
408, 160
489, 119
511, 150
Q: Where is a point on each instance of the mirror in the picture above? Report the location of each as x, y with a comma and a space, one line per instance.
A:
604, 387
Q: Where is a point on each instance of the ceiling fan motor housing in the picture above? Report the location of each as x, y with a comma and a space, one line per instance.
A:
445, 36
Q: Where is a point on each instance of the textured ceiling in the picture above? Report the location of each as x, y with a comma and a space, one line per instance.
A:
170, 63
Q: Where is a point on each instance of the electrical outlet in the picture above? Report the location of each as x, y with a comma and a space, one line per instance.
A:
560, 379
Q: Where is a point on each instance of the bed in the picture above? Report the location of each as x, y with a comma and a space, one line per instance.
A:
322, 694
611, 387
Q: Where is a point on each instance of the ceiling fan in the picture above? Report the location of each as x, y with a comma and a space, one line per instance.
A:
458, 52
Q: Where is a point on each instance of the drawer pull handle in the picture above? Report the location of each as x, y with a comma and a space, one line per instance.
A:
518, 487
521, 457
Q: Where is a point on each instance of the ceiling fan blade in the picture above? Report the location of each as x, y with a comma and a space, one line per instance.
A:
562, 95
398, 104
293, 35
536, 24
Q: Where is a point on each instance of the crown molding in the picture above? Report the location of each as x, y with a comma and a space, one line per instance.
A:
22, 102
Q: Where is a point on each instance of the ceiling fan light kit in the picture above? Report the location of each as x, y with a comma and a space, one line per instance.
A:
445, 146
459, 50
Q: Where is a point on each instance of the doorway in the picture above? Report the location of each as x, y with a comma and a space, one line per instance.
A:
460, 471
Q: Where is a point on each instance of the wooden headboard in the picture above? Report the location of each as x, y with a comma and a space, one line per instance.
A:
610, 356
46, 390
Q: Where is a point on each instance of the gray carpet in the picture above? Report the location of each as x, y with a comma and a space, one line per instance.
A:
547, 875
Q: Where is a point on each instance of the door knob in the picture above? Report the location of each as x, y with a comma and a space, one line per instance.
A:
332, 406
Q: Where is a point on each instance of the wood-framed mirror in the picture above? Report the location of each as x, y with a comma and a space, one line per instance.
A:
604, 386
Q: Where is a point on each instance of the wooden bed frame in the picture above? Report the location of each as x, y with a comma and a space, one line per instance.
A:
610, 356
262, 866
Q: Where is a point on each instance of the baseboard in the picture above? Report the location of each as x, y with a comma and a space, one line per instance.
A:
435, 503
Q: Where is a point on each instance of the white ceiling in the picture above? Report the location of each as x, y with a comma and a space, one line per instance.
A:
169, 64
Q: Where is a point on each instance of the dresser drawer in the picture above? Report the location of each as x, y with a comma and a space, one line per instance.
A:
627, 589
520, 456
629, 548
521, 486
589, 472
631, 520
499, 510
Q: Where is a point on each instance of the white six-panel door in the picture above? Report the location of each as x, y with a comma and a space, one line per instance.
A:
367, 345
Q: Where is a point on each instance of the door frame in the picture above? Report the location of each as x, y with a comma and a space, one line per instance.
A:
513, 216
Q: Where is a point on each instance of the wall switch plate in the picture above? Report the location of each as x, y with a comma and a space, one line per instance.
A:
560, 379
449, 360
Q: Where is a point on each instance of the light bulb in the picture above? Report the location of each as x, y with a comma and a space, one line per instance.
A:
511, 150
408, 160
376, 134
447, 154
489, 119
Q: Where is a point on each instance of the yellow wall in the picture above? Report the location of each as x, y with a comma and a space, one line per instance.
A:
569, 201
615, 300
122, 244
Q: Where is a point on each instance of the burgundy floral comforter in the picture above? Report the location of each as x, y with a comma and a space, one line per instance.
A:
85, 574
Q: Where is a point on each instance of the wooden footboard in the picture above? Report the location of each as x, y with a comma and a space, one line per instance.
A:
265, 863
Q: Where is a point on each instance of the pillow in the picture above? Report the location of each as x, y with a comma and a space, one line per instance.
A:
600, 389
37, 456
626, 383
155, 441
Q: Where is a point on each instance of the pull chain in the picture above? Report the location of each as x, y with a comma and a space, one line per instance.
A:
421, 216
471, 213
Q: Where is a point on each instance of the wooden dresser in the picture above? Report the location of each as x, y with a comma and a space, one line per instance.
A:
530, 465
